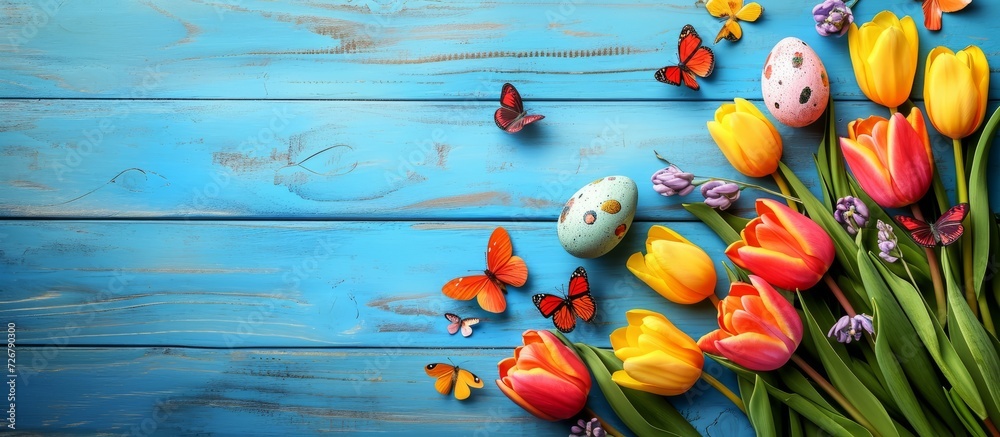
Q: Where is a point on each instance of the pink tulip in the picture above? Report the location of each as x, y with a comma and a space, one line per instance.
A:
758, 328
545, 377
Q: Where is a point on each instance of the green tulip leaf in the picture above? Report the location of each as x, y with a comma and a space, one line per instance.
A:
795, 424
896, 330
968, 419
980, 213
973, 345
715, 221
846, 381
933, 337
759, 410
897, 383
644, 413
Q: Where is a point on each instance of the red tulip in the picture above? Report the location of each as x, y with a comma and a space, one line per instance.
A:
784, 247
545, 377
891, 158
758, 328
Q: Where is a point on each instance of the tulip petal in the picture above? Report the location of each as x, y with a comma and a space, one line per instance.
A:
908, 161
686, 270
811, 238
783, 312
637, 265
870, 173
980, 76
507, 390
623, 379
755, 351
777, 268
893, 79
548, 393
726, 139
757, 145
658, 368
953, 95
858, 57
707, 341
660, 232
619, 339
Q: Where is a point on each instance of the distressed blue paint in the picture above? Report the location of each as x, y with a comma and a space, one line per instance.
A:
413, 159
129, 325
411, 49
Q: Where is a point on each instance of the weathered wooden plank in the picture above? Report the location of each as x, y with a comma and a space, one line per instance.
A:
556, 49
271, 284
402, 160
178, 391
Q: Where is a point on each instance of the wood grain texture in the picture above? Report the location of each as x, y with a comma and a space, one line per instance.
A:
178, 391
406, 49
280, 284
396, 160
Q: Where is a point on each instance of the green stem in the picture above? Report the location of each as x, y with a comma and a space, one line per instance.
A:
962, 188
839, 294
783, 185
724, 390
893, 110
834, 393
935, 267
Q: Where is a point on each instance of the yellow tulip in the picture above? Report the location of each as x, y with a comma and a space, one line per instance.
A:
674, 267
884, 56
656, 356
955, 88
749, 141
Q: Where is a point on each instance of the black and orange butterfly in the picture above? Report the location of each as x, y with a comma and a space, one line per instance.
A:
511, 116
449, 376
945, 231
577, 303
502, 269
695, 60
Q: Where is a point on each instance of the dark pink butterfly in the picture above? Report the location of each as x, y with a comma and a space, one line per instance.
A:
946, 230
511, 115
458, 323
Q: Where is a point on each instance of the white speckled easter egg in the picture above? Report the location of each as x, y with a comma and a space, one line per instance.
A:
597, 217
794, 83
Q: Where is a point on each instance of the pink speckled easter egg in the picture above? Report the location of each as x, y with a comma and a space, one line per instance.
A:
794, 83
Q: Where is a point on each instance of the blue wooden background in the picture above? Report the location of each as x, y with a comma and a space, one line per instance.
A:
175, 264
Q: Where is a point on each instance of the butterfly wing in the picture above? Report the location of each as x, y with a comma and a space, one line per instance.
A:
557, 308
932, 14
731, 31
511, 99
464, 381
445, 374
723, 8
579, 298
488, 293
669, 75
508, 269
467, 326
689, 80
456, 322
694, 57
751, 12
949, 226
920, 231
508, 120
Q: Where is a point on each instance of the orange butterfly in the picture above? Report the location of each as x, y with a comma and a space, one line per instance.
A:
696, 60
734, 12
502, 269
449, 376
934, 8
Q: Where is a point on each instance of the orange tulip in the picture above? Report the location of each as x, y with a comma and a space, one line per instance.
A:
545, 377
758, 328
784, 247
891, 159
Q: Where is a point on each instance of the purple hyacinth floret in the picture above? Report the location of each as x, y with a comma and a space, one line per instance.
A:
672, 180
719, 194
886, 242
852, 213
849, 328
833, 17
587, 429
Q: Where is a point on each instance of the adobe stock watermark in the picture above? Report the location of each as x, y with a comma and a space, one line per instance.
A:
91, 139
40, 15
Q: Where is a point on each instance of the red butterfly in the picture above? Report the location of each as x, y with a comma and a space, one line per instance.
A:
695, 59
565, 310
502, 269
511, 115
946, 230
